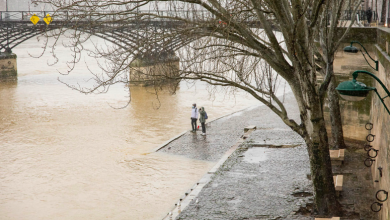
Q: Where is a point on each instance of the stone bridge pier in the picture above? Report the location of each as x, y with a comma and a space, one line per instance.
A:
8, 66
154, 69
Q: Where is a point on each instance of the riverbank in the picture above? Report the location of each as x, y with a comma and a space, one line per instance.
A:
266, 176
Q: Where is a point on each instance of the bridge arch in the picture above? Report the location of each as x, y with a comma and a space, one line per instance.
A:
17, 28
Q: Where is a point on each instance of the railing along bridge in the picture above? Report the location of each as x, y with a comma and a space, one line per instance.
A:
16, 26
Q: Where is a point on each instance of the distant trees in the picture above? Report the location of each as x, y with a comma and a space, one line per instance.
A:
221, 44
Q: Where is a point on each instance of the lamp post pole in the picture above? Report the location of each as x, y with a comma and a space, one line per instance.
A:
352, 49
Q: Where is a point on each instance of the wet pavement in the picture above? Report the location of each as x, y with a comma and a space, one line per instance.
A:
255, 182
266, 176
223, 133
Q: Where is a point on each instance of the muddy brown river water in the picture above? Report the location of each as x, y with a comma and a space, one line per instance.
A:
66, 155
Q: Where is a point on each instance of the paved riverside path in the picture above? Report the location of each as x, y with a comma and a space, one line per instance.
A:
224, 132
254, 182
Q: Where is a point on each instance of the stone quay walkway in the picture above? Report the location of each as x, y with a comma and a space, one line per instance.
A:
265, 178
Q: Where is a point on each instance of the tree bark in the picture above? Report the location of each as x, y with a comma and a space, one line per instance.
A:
337, 141
325, 201
313, 131
383, 13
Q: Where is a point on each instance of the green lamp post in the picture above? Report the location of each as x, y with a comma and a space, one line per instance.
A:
352, 49
356, 91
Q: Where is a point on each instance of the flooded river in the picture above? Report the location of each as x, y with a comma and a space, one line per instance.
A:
66, 155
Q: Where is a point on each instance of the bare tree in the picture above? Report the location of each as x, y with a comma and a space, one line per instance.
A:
330, 40
238, 44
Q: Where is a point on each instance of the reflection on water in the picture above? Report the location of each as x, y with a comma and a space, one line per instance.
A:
66, 155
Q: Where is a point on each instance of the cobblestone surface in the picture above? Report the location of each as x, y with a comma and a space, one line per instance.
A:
256, 183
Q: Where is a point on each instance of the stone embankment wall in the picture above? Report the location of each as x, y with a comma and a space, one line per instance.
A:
354, 114
381, 121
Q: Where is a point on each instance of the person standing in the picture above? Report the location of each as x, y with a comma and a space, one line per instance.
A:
202, 119
369, 16
194, 117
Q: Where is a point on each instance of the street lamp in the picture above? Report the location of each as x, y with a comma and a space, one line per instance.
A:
352, 49
356, 91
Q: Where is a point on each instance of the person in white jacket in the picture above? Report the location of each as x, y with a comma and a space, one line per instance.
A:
194, 117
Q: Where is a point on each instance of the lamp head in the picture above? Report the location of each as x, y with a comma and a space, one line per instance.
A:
353, 90
350, 49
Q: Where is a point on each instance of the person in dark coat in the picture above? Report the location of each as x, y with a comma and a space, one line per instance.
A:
202, 120
369, 15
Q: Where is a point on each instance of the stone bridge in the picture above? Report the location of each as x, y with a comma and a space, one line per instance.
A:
16, 27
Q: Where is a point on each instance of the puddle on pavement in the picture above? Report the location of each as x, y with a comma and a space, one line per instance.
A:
260, 152
255, 154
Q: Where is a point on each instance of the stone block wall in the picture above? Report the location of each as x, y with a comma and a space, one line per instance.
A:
364, 35
354, 115
380, 119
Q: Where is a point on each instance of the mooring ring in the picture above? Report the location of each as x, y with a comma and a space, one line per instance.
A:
367, 147
368, 153
384, 192
378, 204
369, 126
370, 138
368, 162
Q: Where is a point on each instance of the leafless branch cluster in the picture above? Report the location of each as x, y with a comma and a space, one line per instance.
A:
248, 45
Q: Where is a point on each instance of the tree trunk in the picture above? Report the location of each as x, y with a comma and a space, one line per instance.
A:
325, 201
313, 131
337, 141
383, 13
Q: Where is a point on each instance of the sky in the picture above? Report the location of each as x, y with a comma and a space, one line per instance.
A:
25, 5
21, 5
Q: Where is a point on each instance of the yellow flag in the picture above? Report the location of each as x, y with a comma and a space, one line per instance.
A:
48, 19
34, 19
